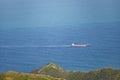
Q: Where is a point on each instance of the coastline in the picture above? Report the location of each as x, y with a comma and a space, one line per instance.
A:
52, 71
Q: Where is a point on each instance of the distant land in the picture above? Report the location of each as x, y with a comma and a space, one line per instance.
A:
52, 71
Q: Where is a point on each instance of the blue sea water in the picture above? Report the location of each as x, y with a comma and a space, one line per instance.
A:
25, 48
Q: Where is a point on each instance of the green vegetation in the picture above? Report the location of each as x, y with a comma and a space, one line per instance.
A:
56, 71
10, 75
50, 69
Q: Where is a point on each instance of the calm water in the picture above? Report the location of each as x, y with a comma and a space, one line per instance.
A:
24, 49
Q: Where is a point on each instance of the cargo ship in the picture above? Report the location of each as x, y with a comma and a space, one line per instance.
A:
79, 45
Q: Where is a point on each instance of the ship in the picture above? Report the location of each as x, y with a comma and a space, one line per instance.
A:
79, 45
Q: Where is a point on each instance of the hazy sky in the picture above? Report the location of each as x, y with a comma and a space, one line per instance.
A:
57, 12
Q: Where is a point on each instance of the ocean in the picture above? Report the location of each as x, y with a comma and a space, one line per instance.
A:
23, 49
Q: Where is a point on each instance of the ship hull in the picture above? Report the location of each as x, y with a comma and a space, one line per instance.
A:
79, 45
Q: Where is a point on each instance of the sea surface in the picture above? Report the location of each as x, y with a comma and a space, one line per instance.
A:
23, 49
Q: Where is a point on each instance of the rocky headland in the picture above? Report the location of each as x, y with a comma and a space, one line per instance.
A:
52, 71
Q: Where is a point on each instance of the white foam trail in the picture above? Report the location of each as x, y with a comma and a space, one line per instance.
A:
57, 46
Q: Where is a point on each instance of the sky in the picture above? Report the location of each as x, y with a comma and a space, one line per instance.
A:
25, 13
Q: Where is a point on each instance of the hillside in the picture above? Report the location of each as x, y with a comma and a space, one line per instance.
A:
100, 74
52, 71
11, 75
